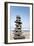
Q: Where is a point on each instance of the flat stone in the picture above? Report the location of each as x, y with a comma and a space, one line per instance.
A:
20, 37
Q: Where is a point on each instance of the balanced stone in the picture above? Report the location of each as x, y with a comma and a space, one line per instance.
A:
18, 31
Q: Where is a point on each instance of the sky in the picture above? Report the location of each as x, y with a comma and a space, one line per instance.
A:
24, 13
